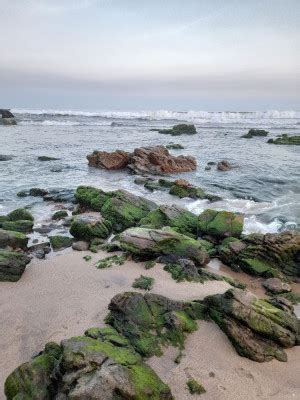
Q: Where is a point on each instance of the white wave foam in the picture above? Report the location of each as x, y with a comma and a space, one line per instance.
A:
198, 117
252, 225
62, 123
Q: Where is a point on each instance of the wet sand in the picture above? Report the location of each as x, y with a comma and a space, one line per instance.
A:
64, 295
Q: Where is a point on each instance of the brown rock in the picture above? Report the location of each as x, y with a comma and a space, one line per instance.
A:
116, 160
276, 286
224, 166
182, 183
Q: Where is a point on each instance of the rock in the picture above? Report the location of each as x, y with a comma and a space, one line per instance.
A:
207, 168
182, 188
101, 366
47, 158
180, 129
224, 166
125, 210
80, 246
220, 224
59, 215
6, 114
255, 132
211, 163
91, 198
276, 286
257, 329
40, 250
60, 196
87, 227
8, 121
20, 214
153, 242
4, 157
38, 192
115, 160
45, 229
11, 239
265, 255
24, 226
174, 146
151, 321
59, 242
178, 218
286, 140
158, 160
12, 265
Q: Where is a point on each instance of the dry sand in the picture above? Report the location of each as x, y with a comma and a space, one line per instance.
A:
64, 295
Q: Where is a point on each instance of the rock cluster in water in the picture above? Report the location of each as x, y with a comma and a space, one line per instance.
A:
7, 118
152, 160
286, 140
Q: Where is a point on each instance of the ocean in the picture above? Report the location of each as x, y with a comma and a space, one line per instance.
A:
264, 186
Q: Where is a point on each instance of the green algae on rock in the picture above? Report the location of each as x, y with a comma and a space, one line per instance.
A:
180, 129
59, 215
87, 227
257, 329
14, 240
269, 255
255, 132
20, 214
101, 365
178, 218
220, 224
110, 261
195, 387
154, 242
183, 189
286, 140
23, 226
12, 265
143, 282
60, 242
150, 321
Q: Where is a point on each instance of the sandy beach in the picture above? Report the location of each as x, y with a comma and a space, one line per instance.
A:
64, 295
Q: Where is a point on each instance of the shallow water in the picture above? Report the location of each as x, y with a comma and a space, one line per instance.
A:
265, 186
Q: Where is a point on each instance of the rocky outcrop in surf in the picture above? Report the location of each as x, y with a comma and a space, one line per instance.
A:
7, 118
151, 160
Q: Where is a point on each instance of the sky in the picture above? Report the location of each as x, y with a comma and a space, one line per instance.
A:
141, 54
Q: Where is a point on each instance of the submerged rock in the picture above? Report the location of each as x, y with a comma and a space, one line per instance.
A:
101, 365
12, 265
286, 140
182, 188
255, 132
4, 157
180, 129
47, 158
220, 224
264, 255
174, 146
257, 329
154, 242
224, 165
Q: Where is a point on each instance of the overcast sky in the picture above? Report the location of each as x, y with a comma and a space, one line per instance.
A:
141, 54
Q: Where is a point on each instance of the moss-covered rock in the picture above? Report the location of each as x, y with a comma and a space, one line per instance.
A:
24, 226
183, 189
255, 132
220, 224
101, 365
88, 227
143, 282
178, 218
195, 387
174, 146
90, 197
153, 242
257, 329
125, 210
20, 214
12, 265
14, 240
59, 242
59, 215
269, 255
286, 140
151, 321
3, 218
180, 129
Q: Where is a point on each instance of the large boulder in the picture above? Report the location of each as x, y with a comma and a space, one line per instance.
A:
150, 321
158, 160
257, 329
220, 224
90, 198
180, 219
116, 160
12, 265
88, 227
266, 255
6, 114
20, 214
101, 366
11, 239
153, 242
24, 226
